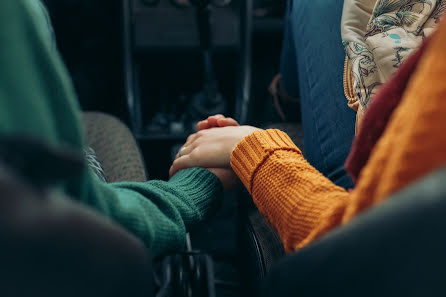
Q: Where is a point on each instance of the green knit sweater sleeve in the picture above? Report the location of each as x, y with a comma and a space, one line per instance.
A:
159, 212
37, 99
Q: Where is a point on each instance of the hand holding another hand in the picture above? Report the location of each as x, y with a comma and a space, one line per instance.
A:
212, 147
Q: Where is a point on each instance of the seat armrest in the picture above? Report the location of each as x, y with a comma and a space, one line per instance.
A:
259, 247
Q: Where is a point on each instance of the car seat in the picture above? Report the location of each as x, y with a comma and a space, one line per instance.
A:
54, 246
119, 156
394, 249
260, 246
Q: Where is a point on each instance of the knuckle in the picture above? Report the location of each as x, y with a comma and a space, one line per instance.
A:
192, 136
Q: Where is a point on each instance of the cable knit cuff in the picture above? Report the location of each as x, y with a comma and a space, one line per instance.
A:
254, 149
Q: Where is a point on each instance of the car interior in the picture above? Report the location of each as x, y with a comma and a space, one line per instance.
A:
145, 72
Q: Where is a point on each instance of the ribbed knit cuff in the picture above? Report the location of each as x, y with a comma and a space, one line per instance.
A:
254, 149
203, 189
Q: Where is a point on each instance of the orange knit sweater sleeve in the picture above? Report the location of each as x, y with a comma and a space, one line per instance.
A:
302, 204
294, 197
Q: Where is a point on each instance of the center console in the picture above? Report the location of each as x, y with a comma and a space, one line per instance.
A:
183, 63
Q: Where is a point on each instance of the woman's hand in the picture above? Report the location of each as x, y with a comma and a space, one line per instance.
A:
229, 180
215, 121
210, 148
227, 177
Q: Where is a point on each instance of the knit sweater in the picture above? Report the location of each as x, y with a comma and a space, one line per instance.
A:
303, 205
37, 99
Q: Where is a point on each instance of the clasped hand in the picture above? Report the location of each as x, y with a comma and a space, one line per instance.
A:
211, 148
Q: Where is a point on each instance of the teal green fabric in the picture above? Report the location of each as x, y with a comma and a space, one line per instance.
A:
37, 99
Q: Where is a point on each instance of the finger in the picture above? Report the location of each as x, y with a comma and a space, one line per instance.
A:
202, 125
191, 139
226, 122
210, 122
217, 116
213, 122
186, 150
188, 142
180, 152
182, 163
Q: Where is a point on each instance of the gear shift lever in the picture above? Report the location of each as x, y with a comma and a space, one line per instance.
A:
209, 100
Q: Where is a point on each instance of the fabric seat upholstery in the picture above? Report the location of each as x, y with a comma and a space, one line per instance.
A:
115, 148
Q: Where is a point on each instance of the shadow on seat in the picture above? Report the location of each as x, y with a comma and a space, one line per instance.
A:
53, 246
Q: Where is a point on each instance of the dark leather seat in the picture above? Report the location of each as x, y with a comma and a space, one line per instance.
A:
259, 244
51, 245
395, 249
392, 250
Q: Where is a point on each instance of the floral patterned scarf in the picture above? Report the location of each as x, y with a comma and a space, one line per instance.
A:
378, 36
